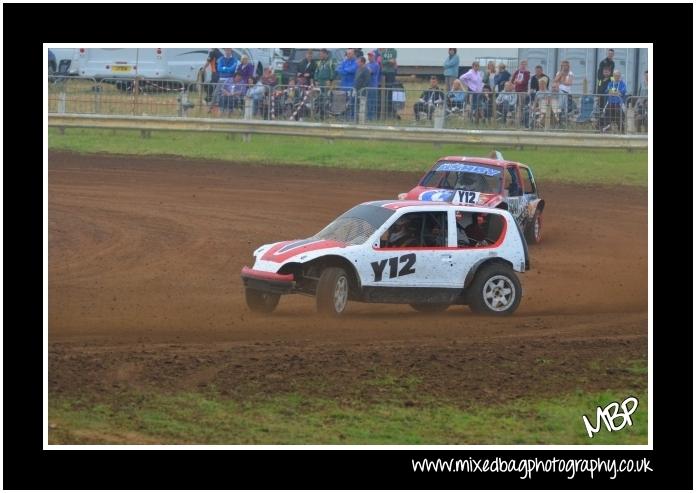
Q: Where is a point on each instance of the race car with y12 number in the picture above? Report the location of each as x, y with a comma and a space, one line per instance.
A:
429, 255
485, 182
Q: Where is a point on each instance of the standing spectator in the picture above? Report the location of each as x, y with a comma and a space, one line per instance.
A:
507, 100
430, 98
489, 76
245, 69
362, 78
642, 104
346, 69
521, 77
227, 65
521, 81
323, 76
306, 69
269, 81
615, 105
325, 69
451, 66
565, 79
500, 78
538, 76
373, 91
602, 85
389, 64
211, 62
473, 80
607, 62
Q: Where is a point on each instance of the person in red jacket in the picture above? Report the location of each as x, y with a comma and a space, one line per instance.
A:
521, 81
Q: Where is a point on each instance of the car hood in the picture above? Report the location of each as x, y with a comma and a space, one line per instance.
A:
285, 250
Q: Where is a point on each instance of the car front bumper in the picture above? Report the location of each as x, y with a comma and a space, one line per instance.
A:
268, 282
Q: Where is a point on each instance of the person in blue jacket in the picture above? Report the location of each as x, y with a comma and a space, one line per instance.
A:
227, 65
451, 67
346, 69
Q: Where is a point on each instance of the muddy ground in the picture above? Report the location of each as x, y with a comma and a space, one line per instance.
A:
144, 290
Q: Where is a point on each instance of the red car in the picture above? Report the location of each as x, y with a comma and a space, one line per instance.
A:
485, 182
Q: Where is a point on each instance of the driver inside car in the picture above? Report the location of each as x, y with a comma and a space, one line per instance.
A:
469, 232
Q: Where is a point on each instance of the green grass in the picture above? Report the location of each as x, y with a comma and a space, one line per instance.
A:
208, 418
591, 166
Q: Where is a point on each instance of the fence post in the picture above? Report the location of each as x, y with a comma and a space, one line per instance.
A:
61, 101
630, 117
248, 108
439, 116
362, 109
97, 98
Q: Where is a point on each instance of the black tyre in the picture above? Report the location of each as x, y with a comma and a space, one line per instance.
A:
332, 291
533, 230
430, 307
260, 301
496, 290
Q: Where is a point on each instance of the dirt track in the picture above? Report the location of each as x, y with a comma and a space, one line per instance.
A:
144, 289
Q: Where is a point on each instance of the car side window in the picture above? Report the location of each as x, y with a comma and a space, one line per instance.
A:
512, 183
527, 181
417, 229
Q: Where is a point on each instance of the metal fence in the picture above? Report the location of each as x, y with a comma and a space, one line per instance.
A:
393, 106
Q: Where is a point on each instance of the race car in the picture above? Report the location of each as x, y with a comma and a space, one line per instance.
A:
427, 254
485, 182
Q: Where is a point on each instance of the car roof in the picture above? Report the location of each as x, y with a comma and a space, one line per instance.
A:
482, 160
400, 204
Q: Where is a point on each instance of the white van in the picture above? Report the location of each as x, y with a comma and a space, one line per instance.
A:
178, 64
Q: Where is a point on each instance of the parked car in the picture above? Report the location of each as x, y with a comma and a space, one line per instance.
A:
408, 252
485, 182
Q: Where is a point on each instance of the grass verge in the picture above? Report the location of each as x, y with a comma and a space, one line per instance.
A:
208, 418
591, 166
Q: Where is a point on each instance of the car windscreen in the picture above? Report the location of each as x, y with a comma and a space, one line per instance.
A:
453, 175
357, 225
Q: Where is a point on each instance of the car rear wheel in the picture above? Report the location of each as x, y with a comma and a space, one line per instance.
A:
429, 307
332, 291
534, 228
496, 290
260, 301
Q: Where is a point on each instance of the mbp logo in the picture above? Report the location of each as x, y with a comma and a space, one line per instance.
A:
610, 414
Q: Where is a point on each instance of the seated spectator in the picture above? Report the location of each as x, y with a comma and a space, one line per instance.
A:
233, 93
546, 101
456, 97
507, 101
429, 99
486, 104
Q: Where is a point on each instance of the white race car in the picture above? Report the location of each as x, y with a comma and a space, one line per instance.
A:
427, 254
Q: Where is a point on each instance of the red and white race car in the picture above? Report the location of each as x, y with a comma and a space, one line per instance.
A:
427, 254
485, 182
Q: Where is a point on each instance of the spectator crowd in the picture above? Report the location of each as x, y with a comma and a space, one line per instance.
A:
530, 96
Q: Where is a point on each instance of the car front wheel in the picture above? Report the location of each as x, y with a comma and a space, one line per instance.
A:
261, 302
332, 291
496, 290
